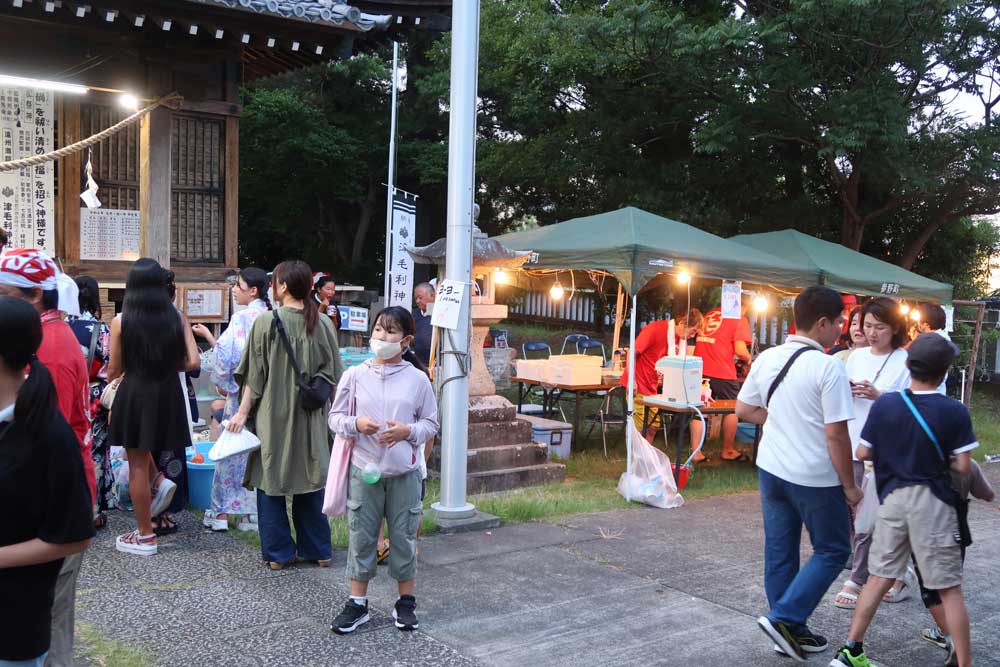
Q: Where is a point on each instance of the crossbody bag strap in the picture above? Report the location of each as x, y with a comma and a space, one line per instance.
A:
288, 347
784, 371
923, 423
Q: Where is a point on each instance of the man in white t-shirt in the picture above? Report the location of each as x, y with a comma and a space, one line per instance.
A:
803, 398
933, 319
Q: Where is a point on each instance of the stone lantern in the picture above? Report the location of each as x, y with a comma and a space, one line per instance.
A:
501, 452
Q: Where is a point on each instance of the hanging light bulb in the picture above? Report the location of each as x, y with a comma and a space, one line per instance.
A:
683, 277
501, 277
557, 291
129, 102
904, 308
760, 303
915, 315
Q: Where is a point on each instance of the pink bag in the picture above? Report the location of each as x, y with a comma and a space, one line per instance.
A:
338, 477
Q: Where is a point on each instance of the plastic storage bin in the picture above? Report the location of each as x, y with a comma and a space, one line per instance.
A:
200, 476
556, 434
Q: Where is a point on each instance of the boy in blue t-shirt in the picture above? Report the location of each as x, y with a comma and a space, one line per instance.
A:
915, 439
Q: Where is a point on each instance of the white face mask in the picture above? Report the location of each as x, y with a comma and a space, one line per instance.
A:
385, 350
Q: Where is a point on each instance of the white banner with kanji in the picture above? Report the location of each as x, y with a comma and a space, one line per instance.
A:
404, 223
27, 200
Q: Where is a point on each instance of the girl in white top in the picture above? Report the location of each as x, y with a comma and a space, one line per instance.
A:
873, 371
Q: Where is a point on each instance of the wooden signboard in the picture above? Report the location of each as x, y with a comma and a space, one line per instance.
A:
204, 302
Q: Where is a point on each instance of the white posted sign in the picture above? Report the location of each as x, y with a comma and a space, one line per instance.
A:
27, 201
448, 304
404, 219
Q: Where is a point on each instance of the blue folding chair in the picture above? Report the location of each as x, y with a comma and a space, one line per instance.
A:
592, 346
572, 339
536, 349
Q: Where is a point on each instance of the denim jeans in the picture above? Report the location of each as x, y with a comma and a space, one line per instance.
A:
794, 593
34, 662
311, 528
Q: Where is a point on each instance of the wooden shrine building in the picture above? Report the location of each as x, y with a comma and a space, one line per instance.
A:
169, 184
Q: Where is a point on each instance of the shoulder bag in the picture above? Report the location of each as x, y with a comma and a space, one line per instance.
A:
313, 394
784, 371
964, 536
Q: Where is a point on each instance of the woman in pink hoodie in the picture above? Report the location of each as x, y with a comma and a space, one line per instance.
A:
388, 406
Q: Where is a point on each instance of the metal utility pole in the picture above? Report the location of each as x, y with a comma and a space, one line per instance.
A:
456, 361
392, 172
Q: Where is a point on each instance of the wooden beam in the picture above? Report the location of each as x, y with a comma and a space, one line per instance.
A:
154, 185
232, 191
70, 171
217, 108
970, 374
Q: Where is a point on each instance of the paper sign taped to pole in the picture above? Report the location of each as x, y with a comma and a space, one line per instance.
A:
448, 304
731, 300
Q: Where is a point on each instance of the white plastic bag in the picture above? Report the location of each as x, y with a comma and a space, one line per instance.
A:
230, 444
864, 515
652, 479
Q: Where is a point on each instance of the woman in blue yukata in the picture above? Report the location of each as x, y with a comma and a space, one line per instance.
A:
229, 497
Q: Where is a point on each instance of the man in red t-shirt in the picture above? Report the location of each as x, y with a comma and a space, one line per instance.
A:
719, 342
30, 275
650, 347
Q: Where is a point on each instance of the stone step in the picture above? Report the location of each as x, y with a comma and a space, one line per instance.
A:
515, 478
496, 434
503, 457
491, 409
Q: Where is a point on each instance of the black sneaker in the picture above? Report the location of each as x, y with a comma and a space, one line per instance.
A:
349, 620
783, 636
404, 613
808, 642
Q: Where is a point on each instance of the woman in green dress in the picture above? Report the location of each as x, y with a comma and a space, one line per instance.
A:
295, 449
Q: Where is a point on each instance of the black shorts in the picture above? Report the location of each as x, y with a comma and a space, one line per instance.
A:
724, 390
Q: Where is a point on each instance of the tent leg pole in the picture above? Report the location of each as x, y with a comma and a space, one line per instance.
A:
631, 403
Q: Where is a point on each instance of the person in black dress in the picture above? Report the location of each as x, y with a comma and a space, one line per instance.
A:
43, 484
151, 348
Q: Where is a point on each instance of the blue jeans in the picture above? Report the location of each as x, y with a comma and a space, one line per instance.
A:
311, 528
34, 662
794, 593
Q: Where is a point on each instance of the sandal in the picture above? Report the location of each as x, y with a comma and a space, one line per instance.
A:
850, 593
134, 543
900, 594
164, 525
101, 521
382, 555
277, 567
740, 456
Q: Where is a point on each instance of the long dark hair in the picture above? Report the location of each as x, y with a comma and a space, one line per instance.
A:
152, 333
90, 296
258, 278
36, 399
886, 310
400, 319
297, 277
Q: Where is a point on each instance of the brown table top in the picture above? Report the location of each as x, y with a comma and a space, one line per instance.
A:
720, 407
567, 387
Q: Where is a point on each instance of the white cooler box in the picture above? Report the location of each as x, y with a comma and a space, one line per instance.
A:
575, 369
556, 434
532, 369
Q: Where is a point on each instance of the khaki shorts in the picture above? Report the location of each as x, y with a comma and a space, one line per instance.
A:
638, 412
913, 520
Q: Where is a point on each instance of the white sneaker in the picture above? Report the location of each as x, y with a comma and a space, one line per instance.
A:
248, 524
161, 500
212, 521
133, 543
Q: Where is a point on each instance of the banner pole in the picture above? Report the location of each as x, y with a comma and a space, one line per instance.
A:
392, 172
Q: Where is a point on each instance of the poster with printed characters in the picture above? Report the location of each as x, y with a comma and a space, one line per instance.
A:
27, 199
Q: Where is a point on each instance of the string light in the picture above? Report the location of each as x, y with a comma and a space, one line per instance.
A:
557, 291
915, 315
760, 303
501, 277
683, 277
904, 308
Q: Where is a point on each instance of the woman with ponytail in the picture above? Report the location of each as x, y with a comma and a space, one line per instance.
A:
229, 497
94, 337
42, 480
295, 446
388, 405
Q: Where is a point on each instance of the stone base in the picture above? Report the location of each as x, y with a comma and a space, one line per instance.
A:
514, 478
499, 458
476, 522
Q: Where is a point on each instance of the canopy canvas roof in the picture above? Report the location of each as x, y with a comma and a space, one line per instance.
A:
635, 246
844, 269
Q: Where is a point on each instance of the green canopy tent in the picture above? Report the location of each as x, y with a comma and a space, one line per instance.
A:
635, 246
844, 269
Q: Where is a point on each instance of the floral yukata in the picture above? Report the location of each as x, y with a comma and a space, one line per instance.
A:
228, 494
